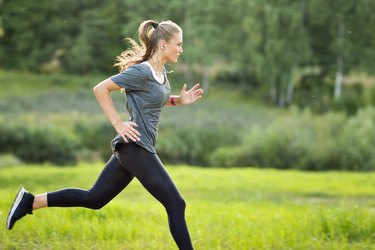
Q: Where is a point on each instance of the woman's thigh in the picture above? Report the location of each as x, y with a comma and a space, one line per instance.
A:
150, 172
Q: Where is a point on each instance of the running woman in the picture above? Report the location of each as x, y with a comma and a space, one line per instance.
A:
147, 89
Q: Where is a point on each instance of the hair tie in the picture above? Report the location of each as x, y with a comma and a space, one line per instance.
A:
155, 25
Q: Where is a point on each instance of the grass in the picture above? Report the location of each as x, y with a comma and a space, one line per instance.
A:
227, 209
46, 95
22, 83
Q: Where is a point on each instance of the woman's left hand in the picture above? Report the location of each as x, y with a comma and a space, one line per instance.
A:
190, 96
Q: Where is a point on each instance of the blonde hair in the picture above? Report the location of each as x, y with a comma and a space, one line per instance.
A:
150, 32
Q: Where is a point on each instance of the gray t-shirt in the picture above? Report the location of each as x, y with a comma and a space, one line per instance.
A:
145, 97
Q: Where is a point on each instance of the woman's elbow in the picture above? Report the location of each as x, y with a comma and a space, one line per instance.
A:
100, 88
105, 86
96, 88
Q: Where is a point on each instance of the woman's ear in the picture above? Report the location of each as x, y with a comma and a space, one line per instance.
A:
162, 44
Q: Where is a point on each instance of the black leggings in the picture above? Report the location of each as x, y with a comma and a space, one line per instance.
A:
129, 161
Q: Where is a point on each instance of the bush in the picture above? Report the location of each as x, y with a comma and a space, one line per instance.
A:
230, 136
96, 135
357, 142
38, 144
351, 100
301, 141
51, 145
193, 145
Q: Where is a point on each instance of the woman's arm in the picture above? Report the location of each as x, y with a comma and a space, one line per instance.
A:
102, 93
185, 97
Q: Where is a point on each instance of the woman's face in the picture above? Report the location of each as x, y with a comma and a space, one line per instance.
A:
173, 49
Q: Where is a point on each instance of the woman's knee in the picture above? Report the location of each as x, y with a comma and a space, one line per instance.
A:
177, 206
182, 204
94, 201
95, 205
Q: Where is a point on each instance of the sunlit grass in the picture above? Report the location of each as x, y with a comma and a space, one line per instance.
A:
227, 209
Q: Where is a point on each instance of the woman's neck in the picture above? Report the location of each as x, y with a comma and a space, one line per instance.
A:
157, 66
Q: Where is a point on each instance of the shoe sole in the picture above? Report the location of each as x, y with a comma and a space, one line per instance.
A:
16, 202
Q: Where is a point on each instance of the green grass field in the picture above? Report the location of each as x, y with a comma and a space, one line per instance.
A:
226, 209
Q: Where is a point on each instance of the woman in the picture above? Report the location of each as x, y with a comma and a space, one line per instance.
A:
143, 76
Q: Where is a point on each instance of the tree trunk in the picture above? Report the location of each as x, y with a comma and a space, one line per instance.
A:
284, 92
273, 93
290, 87
340, 62
339, 77
282, 99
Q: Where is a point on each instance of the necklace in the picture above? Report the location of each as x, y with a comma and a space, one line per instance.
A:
154, 66
158, 75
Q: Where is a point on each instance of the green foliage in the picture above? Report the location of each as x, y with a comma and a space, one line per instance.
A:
266, 45
289, 210
305, 141
38, 143
194, 145
55, 118
95, 136
60, 35
357, 142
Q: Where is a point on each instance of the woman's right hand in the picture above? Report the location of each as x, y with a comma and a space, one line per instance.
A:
127, 129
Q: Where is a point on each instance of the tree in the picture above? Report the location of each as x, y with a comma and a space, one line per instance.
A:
25, 40
335, 27
275, 43
201, 31
267, 45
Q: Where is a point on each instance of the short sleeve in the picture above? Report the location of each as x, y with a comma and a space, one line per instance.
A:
130, 79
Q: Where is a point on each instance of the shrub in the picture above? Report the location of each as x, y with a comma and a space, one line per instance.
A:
96, 135
47, 144
38, 144
193, 145
277, 147
301, 141
357, 142
230, 136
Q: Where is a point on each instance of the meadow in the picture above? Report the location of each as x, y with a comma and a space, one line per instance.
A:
235, 208
227, 207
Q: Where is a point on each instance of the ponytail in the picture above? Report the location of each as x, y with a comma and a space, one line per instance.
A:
149, 32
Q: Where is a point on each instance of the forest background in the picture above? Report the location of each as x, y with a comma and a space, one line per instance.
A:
288, 84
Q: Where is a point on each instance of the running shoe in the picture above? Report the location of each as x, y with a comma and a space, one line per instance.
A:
22, 205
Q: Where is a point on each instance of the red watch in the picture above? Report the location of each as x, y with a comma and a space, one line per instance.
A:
172, 101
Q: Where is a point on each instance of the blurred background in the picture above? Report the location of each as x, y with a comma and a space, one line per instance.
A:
289, 83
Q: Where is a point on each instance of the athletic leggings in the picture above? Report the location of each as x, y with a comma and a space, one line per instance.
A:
129, 161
